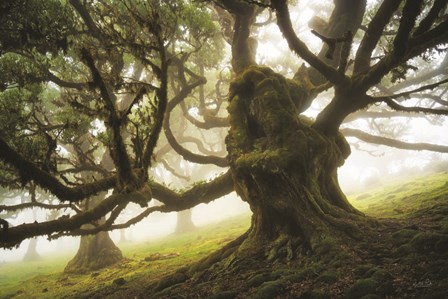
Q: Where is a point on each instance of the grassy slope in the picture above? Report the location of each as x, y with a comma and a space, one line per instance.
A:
401, 198
424, 197
44, 279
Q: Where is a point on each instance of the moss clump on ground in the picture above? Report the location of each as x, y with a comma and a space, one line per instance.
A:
362, 288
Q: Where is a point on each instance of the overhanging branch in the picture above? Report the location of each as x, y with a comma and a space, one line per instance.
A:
29, 171
348, 132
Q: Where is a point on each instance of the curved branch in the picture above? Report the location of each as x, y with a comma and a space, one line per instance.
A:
221, 162
285, 25
29, 171
162, 95
394, 143
38, 205
120, 155
15, 235
394, 105
173, 202
210, 120
199, 145
173, 171
201, 193
58, 81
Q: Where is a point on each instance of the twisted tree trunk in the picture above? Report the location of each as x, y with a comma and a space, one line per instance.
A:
284, 168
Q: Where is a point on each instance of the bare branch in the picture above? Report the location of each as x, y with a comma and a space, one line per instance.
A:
348, 132
394, 105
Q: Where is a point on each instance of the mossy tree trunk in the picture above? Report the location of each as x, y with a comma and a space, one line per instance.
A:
284, 168
95, 251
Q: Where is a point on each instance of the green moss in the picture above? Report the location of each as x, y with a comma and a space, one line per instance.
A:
442, 244
403, 236
314, 294
362, 288
427, 241
363, 269
259, 279
26, 278
405, 249
225, 295
328, 277
268, 290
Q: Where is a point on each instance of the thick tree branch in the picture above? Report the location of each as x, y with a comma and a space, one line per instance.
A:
162, 96
88, 21
432, 15
38, 205
414, 46
200, 193
118, 151
186, 90
29, 171
375, 115
66, 84
15, 235
300, 48
172, 202
373, 34
394, 143
411, 10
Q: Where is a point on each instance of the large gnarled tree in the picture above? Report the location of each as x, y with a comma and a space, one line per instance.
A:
283, 164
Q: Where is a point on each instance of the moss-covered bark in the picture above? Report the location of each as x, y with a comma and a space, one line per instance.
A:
284, 168
95, 252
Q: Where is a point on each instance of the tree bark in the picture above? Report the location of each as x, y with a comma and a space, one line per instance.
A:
285, 169
95, 252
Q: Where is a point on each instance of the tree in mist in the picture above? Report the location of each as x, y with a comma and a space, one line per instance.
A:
127, 71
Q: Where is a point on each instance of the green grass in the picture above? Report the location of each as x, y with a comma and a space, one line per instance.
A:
401, 198
45, 279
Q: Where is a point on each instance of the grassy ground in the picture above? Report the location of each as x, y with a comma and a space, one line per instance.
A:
148, 261
407, 259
